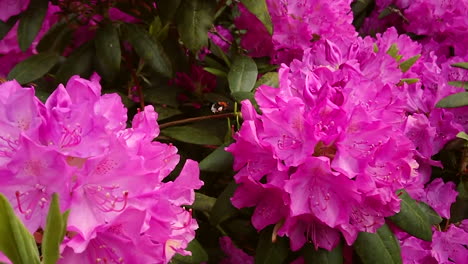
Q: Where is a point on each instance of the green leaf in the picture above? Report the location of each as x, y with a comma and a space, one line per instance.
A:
33, 67
5, 27
166, 111
218, 161
108, 52
408, 81
54, 232
322, 256
406, 65
462, 135
149, 49
215, 72
269, 252
454, 100
243, 74
31, 22
56, 39
80, 62
195, 18
461, 84
463, 65
223, 209
192, 134
393, 52
203, 202
260, 10
431, 214
199, 254
269, 78
167, 9
381, 247
411, 218
15, 240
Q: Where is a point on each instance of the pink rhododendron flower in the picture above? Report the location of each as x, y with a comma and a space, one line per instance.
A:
109, 176
233, 254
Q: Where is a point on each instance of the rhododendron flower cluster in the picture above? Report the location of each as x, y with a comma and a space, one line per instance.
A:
352, 122
110, 177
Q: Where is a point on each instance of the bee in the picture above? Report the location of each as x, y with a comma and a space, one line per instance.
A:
219, 107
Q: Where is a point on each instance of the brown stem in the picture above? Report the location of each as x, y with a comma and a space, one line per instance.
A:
195, 119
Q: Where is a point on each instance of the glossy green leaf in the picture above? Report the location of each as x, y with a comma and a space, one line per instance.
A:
80, 62
193, 134
243, 74
56, 39
33, 67
223, 209
381, 247
31, 22
149, 49
462, 135
194, 19
215, 72
5, 27
54, 232
269, 252
199, 254
322, 256
461, 84
406, 65
431, 214
108, 51
260, 10
203, 202
167, 9
269, 78
411, 218
454, 100
15, 240
218, 161
463, 65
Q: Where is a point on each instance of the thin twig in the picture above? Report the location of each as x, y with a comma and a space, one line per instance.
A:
195, 119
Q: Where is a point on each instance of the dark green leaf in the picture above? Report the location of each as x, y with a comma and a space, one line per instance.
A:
166, 111
381, 247
193, 134
411, 218
459, 209
218, 161
432, 216
31, 22
322, 256
454, 100
260, 10
223, 209
215, 72
5, 27
108, 52
149, 49
54, 232
269, 78
195, 18
167, 9
198, 254
269, 252
386, 12
15, 240
56, 39
33, 67
463, 65
80, 62
461, 84
241, 96
203, 202
406, 65
243, 74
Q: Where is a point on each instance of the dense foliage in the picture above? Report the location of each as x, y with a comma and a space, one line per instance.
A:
313, 131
